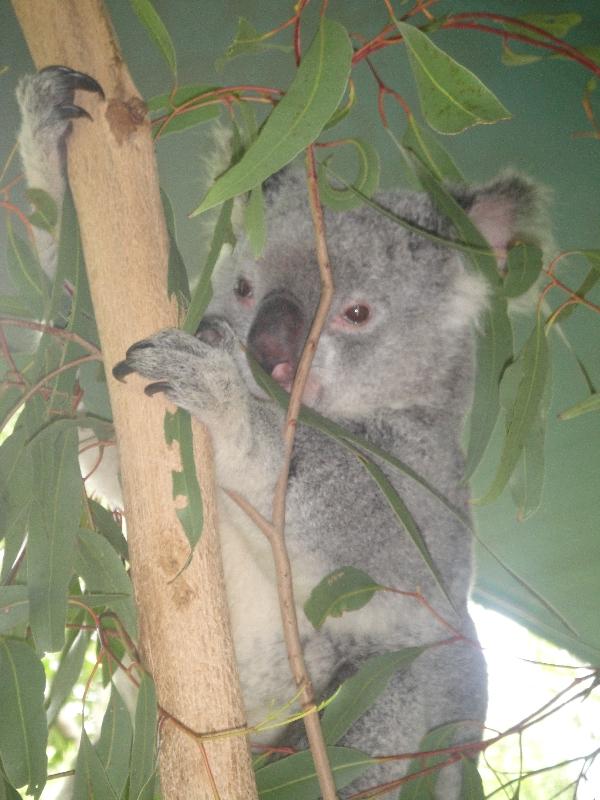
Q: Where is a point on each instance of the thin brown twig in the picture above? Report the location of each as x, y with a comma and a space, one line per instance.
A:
60, 332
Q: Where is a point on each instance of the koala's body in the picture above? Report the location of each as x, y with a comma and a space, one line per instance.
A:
395, 365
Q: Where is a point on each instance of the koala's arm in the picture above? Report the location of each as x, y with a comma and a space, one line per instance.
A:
206, 380
46, 104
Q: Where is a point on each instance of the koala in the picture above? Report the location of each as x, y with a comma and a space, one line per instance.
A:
394, 365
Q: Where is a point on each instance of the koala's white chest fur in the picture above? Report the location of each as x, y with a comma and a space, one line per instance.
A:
255, 618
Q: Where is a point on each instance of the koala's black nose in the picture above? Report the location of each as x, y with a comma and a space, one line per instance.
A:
278, 332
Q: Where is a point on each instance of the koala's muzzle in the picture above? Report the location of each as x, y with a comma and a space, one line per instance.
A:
277, 335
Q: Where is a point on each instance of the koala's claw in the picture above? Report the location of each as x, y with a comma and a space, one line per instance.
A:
156, 388
122, 370
73, 79
68, 111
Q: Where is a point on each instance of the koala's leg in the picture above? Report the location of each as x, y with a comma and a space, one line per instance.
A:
444, 684
205, 380
46, 103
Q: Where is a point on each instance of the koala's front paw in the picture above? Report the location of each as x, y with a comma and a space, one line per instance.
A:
46, 99
202, 379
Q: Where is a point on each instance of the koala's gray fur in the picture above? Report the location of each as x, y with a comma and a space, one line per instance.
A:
402, 379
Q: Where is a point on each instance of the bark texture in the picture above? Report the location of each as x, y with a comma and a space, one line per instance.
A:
185, 633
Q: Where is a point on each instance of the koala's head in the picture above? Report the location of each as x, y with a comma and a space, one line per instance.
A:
399, 330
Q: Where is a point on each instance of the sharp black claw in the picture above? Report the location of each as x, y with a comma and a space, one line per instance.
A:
155, 388
143, 344
75, 79
122, 370
68, 111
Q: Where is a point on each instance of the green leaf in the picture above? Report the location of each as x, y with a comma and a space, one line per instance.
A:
404, 516
114, 746
254, 221
23, 732
53, 525
14, 607
104, 573
452, 97
472, 787
182, 95
45, 215
357, 694
14, 306
367, 178
248, 40
178, 427
91, 781
555, 24
25, 273
527, 480
222, 235
177, 279
104, 523
295, 777
344, 109
143, 751
65, 677
298, 118
197, 111
430, 152
7, 792
512, 59
591, 403
424, 785
158, 33
345, 589
523, 264
528, 398
187, 118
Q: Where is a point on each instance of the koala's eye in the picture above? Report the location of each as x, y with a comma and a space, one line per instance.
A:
357, 314
243, 288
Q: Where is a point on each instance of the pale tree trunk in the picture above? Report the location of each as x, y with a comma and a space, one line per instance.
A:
185, 634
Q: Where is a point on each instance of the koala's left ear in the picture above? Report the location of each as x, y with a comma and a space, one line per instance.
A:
510, 208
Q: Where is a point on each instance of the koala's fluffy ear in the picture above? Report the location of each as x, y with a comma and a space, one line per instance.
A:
510, 208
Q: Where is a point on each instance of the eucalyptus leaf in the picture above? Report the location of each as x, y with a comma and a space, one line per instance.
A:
177, 279
367, 178
248, 40
45, 215
423, 786
591, 403
157, 31
254, 221
527, 403
295, 778
523, 268
53, 524
26, 273
513, 59
143, 750
222, 235
297, 120
103, 572
555, 24
430, 151
66, 675
345, 589
14, 607
452, 98
114, 745
91, 781
178, 427
357, 694
23, 732
472, 787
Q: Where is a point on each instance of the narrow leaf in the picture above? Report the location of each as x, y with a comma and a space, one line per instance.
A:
523, 265
452, 97
25, 273
591, 403
295, 777
114, 746
357, 694
143, 751
53, 524
248, 40
104, 573
423, 786
254, 221
472, 787
297, 120
177, 279
430, 151
513, 59
66, 675
178, 427
346, 589
527, 402
222, 235
23, 733
555, 24
158, 33
91, 781
14, 607
45, 215
367, 178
